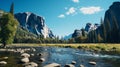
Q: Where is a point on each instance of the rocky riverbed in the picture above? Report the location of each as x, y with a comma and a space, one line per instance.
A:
54, 56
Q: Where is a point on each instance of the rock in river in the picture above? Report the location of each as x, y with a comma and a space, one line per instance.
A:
25, 55
92, 63
53, 65
3, 62
31, 64
25, 60
69, 65
73, 62
82, 65
5, 58
42, 59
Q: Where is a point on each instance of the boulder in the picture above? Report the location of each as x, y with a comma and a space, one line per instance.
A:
3, 62
69, 65
25, 60
25, 55
53, 65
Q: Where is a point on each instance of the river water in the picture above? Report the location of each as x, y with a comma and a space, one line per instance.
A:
62, 56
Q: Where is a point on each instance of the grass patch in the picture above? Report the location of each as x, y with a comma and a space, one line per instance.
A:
101, 47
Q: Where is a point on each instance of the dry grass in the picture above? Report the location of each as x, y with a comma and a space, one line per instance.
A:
110, 48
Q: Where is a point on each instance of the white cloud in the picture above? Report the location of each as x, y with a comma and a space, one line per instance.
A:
61, 16
71, 10
90, 10
75, 1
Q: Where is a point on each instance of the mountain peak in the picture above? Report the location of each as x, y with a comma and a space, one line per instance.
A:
90, 27
34, 23
115, 5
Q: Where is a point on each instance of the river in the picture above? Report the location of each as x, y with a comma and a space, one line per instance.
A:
62, 56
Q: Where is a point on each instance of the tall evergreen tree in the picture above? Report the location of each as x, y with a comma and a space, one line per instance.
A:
115, 30
99, 40
8, 28
83, 32
12, 9
95, 36
108, 30
103, 30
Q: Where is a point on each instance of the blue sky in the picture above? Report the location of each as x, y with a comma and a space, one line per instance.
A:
62, 16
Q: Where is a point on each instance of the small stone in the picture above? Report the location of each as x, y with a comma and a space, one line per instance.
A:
32, 54
53, 65
5, 58
22, 51
82, 65
73, 62
31, 64
25, 55
33, 49
3, 62
42, 59
25, 60
92, 63
69, 65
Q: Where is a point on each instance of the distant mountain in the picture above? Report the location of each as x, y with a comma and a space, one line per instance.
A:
67, 37
89, 27
34, 24
77, 33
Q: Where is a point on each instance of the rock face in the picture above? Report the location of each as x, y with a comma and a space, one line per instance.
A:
33, 23
113, 12
77, 33
89, 27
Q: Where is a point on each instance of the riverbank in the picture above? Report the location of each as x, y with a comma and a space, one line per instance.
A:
102, 48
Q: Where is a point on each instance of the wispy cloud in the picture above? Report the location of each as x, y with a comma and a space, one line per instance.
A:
61, 16
71, 10
90, 10
75, 1
84, 10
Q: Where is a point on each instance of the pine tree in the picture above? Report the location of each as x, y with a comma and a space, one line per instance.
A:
115, 31
99, 38
103, 30
95, 36
12, 9
83, 32
108, 31
8, 28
